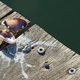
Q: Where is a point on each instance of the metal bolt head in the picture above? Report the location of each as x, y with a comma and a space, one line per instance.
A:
41, 50
72, 71
47, 66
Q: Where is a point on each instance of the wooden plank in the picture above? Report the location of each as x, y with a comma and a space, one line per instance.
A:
15, 14
59, 58
31, 65
54, 53
4, 10
57, 55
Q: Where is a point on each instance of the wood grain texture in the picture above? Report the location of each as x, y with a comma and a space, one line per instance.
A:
4, 10
58, 56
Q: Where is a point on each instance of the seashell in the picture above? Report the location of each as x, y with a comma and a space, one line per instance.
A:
15, 23
8, 37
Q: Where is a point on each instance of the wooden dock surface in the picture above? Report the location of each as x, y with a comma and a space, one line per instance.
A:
31, 66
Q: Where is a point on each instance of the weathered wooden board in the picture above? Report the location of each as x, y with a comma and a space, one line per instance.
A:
4, 10
30, 66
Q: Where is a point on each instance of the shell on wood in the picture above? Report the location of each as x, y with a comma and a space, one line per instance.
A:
14, 23
7, 36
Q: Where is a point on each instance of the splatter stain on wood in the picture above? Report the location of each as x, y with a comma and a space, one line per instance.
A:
30, 65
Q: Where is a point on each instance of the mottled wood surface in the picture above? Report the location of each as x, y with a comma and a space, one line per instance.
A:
59, 57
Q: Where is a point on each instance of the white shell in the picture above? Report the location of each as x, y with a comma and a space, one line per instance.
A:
8, 40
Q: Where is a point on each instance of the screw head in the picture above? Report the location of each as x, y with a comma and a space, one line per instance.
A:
47, 66
72, 71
